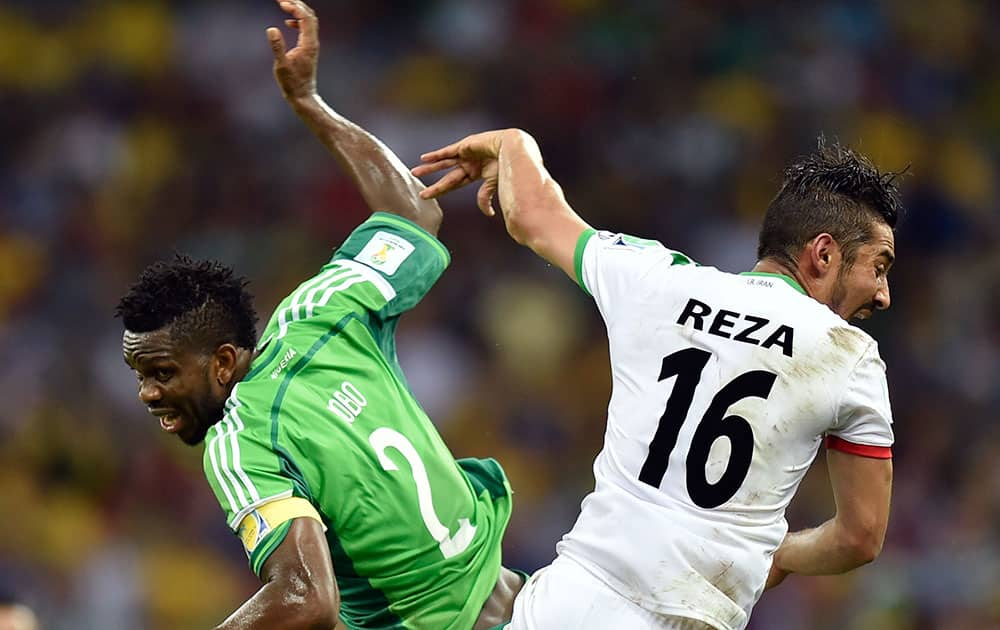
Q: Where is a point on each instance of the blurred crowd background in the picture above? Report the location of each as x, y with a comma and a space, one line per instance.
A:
134, 129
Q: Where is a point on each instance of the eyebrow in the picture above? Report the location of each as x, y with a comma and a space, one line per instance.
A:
150, 357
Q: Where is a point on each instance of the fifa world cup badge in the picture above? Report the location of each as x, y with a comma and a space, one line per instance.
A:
385, 252
252, 530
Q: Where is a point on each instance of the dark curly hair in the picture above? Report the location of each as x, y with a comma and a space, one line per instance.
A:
203, 302
833, 190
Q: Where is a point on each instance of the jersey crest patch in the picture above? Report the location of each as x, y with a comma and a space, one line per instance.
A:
385, 252
253, 529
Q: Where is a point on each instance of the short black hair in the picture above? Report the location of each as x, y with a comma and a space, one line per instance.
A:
833, 190
203, 301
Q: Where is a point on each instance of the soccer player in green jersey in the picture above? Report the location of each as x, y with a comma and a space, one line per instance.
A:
346, 499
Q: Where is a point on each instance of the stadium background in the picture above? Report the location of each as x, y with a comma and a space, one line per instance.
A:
130, 129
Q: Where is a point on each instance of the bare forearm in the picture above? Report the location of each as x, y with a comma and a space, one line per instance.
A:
276, 605
385, 183
823, 550
525, 187
534, 207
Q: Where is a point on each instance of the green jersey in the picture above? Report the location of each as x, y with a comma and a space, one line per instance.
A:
325, 417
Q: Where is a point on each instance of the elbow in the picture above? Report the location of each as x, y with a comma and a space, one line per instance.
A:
868, 550
324, 617
314, 606
430, 218
325, 609
863, 545
424, 212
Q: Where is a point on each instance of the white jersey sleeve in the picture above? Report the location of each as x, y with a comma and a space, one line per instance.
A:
863, 425
610, 266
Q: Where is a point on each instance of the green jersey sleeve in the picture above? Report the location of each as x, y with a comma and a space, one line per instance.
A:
403, 253
241, 466
383, 269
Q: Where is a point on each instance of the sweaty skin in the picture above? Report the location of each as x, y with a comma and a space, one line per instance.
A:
185, 389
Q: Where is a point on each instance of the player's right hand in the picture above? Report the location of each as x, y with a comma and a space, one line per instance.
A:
295, 70
470, 159
775, 576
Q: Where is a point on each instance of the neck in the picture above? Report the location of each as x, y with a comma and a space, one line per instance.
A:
243, 361
769, 265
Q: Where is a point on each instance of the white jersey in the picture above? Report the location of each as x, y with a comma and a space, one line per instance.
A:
724, 386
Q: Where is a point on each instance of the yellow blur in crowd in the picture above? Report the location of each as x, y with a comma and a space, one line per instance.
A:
132, 129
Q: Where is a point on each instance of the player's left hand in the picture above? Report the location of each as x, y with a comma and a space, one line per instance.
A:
470, 159
295, 70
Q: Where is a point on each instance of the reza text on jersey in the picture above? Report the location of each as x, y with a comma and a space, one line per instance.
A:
737, 326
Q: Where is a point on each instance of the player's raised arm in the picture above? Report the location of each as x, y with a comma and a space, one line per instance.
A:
385, 183
510, 164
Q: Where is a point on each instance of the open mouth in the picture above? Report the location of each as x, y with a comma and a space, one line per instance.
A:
170, 424
169, 421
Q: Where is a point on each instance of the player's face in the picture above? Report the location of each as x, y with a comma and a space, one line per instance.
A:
863, 287
176, 384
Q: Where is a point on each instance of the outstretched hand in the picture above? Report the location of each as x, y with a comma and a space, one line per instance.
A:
295, 69
470, 159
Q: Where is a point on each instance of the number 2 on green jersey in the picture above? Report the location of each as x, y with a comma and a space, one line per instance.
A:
385, 438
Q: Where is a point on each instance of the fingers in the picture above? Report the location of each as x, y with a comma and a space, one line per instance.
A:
277, 42
292, 24
484, 198
444, 153
305, 19
426, 169
485, 145
452, 180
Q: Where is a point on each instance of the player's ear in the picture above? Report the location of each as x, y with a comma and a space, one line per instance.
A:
824, 252
224, 364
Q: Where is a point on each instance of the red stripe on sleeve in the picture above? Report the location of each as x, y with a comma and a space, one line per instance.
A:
864, 450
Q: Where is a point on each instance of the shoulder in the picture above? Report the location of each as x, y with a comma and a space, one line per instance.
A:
852, 339
616, 246
839, 343
609, 264
839, 334
242, 420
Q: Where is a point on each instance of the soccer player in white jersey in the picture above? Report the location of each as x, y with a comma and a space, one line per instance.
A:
724, 387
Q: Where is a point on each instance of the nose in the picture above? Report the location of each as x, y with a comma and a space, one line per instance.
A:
149, 391
882, 299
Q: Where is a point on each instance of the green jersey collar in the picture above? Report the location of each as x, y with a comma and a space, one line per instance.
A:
791, 281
